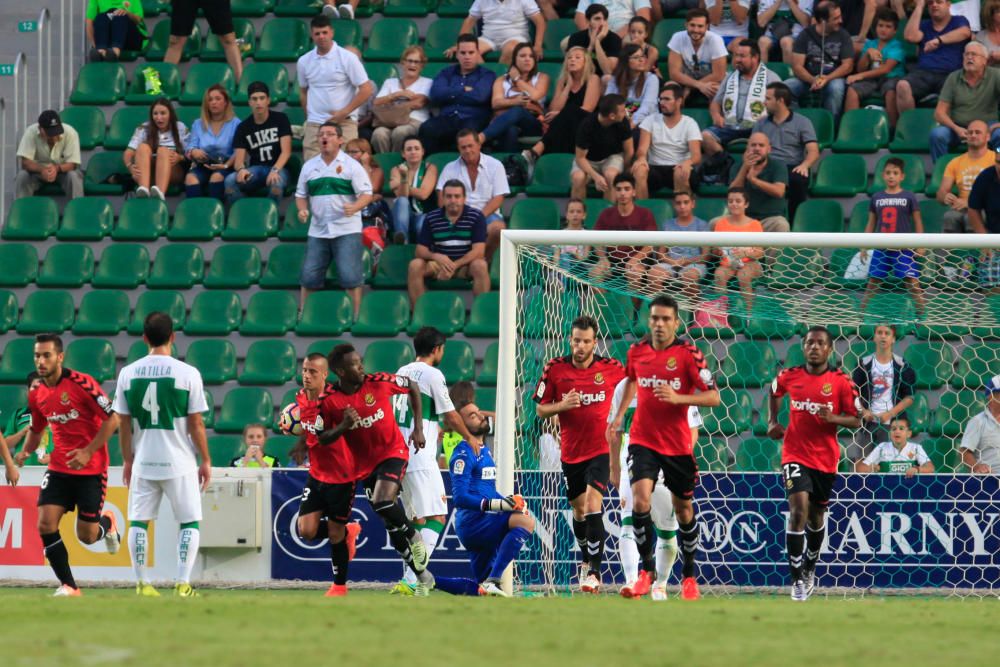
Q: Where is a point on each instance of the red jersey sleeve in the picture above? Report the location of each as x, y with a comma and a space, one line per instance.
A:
698, 372
850, 400
545, 391
629, 364
38, 421
99, 405
389, 383
779, 386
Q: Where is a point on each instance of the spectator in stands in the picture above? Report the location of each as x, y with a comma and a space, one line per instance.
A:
298, 456
401, 103
961, 173
602, 44
17, 429
624, 216
640, 87
781, 21
413, 181
114, 26
822, 58
518, 99
485, 185
452, 245
639, 33
569, 256
210, 146
898, 454
263, 146
332, 191
742, 262
361, 150
50, 153
793, 141
333, 85
730, 19
984, 218
739, 102
942, 37
376, 217
663, 8
619, 13
765, 180
697, 58
885, 385
604, 148
220, 20
971, 93
254, 438
505, 24
340, 9
684, 264
669, 146
989, 36
980, 446
880, 65
463, 93
155, 153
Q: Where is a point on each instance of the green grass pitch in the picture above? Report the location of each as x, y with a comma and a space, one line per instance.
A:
292, 628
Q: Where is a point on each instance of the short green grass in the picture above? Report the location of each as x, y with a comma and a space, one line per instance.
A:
293, 628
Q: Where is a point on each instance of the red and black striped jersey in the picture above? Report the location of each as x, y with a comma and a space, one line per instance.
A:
75, 408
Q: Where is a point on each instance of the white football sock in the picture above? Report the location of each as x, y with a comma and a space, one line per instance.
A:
430, 536
629, 553
138, 549
187, 553
666, 554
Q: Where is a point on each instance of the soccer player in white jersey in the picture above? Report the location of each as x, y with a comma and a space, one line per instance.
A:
160, 401
423, 489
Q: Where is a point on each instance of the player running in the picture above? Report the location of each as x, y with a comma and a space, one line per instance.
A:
73, 405
423, 489
159, 401
663, 372
821, 399
327, 499
360, 405
577, 390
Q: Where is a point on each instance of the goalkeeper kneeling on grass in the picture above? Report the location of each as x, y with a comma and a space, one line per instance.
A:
491, 527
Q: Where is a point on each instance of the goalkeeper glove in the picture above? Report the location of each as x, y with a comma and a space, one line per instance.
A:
513, 503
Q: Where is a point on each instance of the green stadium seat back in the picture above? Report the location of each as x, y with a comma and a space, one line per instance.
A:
454, 8
407, 7
749, 364
945, 318
933, 363
224, 448
251, 219
216, 313
139, 349
796, 268
326, 313
17, 361
708, 208
86, 219
440, 160
291, 228
491, 366
459, 362
862, 131
712, 454
379, 72
732, 416
551, 177
392, 267
389, 37
819, 216
324, 346
937, 175
954, 411
759, 427
102, 313
280, 447
484, 316
12, 398
93, 356
31, 219
212, 50
486, 398
177, 266
234, 266
202, 75
8, 310
783, 70
848, 308
123, 125
167, 301
387, 356
89, 124
20, 264
67, 265
443, 310
759, 455
273, 74
913, 132
105, 174
822, 121
208, 416
859, 217
114, 451
919, 413
141, 220
914, 178
159, 40
255, 8
197, 219
535, 214
284, 265
283, 40
269, 362
215, 359
99, 84
771, 320
556, 31
975, 363
270, 314
170, 83
932, 213
662, 33
122, 265
888, 307
348, 33
382, 314
945, 454
51, 311
443, 33
840, 175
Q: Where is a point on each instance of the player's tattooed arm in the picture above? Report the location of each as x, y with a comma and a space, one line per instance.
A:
330, 435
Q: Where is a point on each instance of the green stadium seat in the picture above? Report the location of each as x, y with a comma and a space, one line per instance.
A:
933, 363
234, 266
20, 264
759, 427
439, 160
888, 307
217, 313
862, 131
170, 80
93, 356
31, 219
662, 33
796, 268
202, 75
123, 126
443, 33
17, 361
783, 70
551, 177
914, 178
946, 318
283, 40
945, 454
382, 314
197, 219
415, 8
106, 174
749, 364
393, 266
159, 40
224, 448
12, 398
255, 8
937, 175
8, 311
919, 413
208, 416
840, 176
442, 310
712, 454
280, 447
51, 311
389, 37
535, 214
820, 216
822, 121
284, 265
976, 363
847, 308
486, 398
387, 356
491, 365
122, 265
954, 411
270, 314
86, 219
759, 455
348, 33
269, 362
913, 132
292, 229
301, 8
67, 265
139, 349
556, 31
177, 266
99, 84
732, 416
379, 72
273, 74
212, 50
324, 346
102, 313
455, 8
770, 321
932, 214
708, 208
216, 359
141, 220
459, 362
251, 219
89, 124
859, 217
484, 316
167, 301
326, 313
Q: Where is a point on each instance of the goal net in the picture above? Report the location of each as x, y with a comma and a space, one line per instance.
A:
746, 304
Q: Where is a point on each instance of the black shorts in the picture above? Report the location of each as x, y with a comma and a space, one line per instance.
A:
184, 12
662, 176
818, 484
85, 493
593, 472
680, 473
392, 470
333, 500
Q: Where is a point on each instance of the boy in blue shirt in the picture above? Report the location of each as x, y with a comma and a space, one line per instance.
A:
881, 63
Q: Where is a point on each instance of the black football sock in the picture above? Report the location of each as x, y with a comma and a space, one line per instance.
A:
795, 544
105, 524
814, 543
580, 533
689, 546
338, 559
58, 557
645, 539
595, 541
401, 533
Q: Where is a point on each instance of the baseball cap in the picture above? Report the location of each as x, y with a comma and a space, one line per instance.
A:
49, 121
992, 385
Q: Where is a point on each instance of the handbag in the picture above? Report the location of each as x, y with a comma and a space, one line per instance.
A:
391, 115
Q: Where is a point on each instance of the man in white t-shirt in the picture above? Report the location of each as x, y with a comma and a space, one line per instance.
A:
160, 401
505, 25
620, 12
697, 58
898, 455
333, 85
885, 386
423, 489
669, 147
730, 19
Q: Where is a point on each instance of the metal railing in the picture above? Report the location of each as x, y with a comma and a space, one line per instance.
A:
3, 162
44, 59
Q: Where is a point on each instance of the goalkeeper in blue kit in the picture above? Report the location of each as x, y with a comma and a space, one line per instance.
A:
491, 527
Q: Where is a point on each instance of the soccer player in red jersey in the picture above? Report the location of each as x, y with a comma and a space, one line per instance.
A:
359, 408
81, 419
821, 399
328, 496
577, 390
664, 373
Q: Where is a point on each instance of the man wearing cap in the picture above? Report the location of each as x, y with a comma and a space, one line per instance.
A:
980, 446
984, 218
50, 153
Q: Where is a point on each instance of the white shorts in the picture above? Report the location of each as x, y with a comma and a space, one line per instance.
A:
423, 494
497, 38
184, 494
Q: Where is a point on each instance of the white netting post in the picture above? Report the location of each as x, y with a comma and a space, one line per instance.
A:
506, 378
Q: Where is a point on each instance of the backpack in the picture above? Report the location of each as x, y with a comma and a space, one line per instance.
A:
517, 170
715, 170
